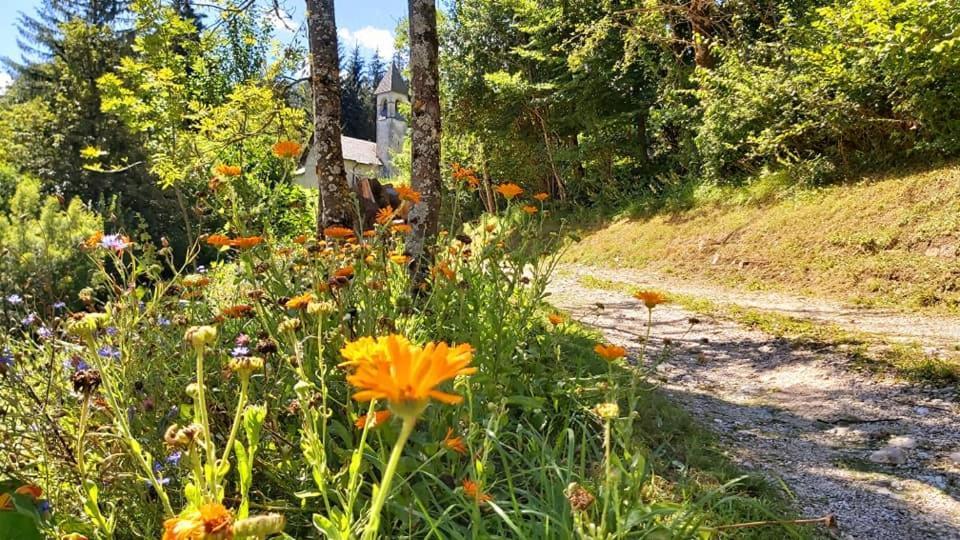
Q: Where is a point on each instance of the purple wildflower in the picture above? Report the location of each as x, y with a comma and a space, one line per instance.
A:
239, 351
59, 305
112, 330
29, 319
44, 333
6, 358
15, 299
174, 458
115, 242
163, 321
108, 351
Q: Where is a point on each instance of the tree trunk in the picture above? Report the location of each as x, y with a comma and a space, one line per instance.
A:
336, 204
425, 137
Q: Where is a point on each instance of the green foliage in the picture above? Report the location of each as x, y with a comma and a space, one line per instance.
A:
40, 241
859, 83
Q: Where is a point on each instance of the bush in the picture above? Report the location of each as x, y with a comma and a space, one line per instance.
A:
40, 241
860, 83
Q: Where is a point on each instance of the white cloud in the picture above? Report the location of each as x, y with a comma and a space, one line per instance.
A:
5, 81
368, 37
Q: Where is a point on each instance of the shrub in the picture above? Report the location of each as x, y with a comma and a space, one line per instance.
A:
40, 240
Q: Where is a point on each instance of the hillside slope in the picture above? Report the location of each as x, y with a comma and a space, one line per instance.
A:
883, 242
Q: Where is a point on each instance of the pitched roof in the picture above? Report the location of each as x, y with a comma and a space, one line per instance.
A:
360, 151
392, 81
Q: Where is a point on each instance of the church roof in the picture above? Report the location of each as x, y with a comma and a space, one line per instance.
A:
392, 81
360, 151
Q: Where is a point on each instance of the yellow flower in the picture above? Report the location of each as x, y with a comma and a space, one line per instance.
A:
286, 149
610, 352
227, 170
405, 374
509, 191
454, 443
407, 193
300, 302
607, 411
651, 299
379, 418
212, 521
473, 491
399, 258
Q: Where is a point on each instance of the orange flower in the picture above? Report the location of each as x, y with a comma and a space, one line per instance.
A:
378, 419
541, 196
443, 268
399, 259
337, 231
246, 242
286, 149
509, 191
556, 319
30, 490
218, 240
385, 215
93, 240
237, 311
651, 299
402, 228
212, 521
407, 193
473, 491
346, 272
529, 209
300, 239
490, 228
454, 443
369, 234
227, 170
405, 374
610, 352
300, 302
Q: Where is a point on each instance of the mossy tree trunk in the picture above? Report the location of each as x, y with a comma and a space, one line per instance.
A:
336, 204
425, 137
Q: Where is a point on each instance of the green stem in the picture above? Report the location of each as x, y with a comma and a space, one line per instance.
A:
81, 430
205, 422
371, 531
241, 403
608, 489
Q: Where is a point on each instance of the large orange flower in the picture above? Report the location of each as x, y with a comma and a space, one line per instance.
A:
227, 170
610, 352
405, 374
407, 193
509, 191
651, 299
246, 242
385, 215
218, 240
529, 209
337, 231
212, 521
286, 149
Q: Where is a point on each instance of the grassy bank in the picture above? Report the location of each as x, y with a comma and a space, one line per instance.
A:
887, 241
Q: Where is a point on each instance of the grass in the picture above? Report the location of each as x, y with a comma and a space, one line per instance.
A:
881, 242
865, 351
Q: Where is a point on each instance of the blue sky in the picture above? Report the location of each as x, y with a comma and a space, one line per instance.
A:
369, 23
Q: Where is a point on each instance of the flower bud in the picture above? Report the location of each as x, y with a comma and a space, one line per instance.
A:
200, 336
259, 526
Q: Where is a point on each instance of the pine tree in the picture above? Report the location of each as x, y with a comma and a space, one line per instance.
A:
41, 36
353, 98
376, 69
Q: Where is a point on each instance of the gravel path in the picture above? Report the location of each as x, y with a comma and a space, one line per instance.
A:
799, 415
938, 333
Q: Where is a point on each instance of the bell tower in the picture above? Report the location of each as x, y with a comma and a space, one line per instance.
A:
391, 125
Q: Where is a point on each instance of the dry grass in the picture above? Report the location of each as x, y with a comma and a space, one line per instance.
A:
883, 242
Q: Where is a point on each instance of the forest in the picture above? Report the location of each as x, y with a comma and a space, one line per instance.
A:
197, 345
